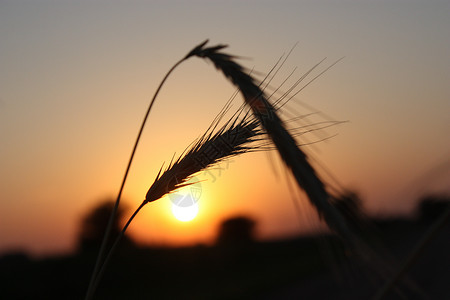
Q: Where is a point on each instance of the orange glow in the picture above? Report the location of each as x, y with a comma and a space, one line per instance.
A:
73, 94
185, 214
225, 194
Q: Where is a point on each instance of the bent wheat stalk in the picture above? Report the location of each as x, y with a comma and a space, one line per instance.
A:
294, 158
107, 234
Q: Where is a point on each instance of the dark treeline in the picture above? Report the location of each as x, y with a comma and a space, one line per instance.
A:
238, 266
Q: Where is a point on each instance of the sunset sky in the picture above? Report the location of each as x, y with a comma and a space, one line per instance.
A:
76, 78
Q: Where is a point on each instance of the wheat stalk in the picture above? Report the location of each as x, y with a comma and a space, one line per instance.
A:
236, 137
210, 149
106, 236
294, 158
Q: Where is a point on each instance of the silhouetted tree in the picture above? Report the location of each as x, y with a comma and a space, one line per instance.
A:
236, 230
93, 227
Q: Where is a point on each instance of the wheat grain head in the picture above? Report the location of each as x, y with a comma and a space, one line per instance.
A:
294, 158
232, 139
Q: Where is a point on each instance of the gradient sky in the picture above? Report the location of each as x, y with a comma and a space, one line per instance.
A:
77, 76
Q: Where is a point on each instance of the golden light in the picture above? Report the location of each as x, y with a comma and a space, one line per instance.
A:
185, 201
185, 214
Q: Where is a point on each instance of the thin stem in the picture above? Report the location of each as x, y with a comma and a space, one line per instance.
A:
414, 254
116, 205
113, 248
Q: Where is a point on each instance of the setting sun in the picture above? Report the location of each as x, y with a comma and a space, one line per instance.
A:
184, 200
185, 214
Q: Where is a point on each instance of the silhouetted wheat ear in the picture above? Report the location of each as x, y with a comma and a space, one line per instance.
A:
236, 136
293, 157
232, 139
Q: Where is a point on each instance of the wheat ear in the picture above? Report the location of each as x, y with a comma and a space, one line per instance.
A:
294, 158
234, 138
209, 150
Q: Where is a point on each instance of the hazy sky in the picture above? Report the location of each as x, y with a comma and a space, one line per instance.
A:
77, 76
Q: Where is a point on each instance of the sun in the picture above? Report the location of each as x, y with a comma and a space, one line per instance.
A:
185, 200
186, 213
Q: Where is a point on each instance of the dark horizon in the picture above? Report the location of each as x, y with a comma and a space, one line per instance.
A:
238, 266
